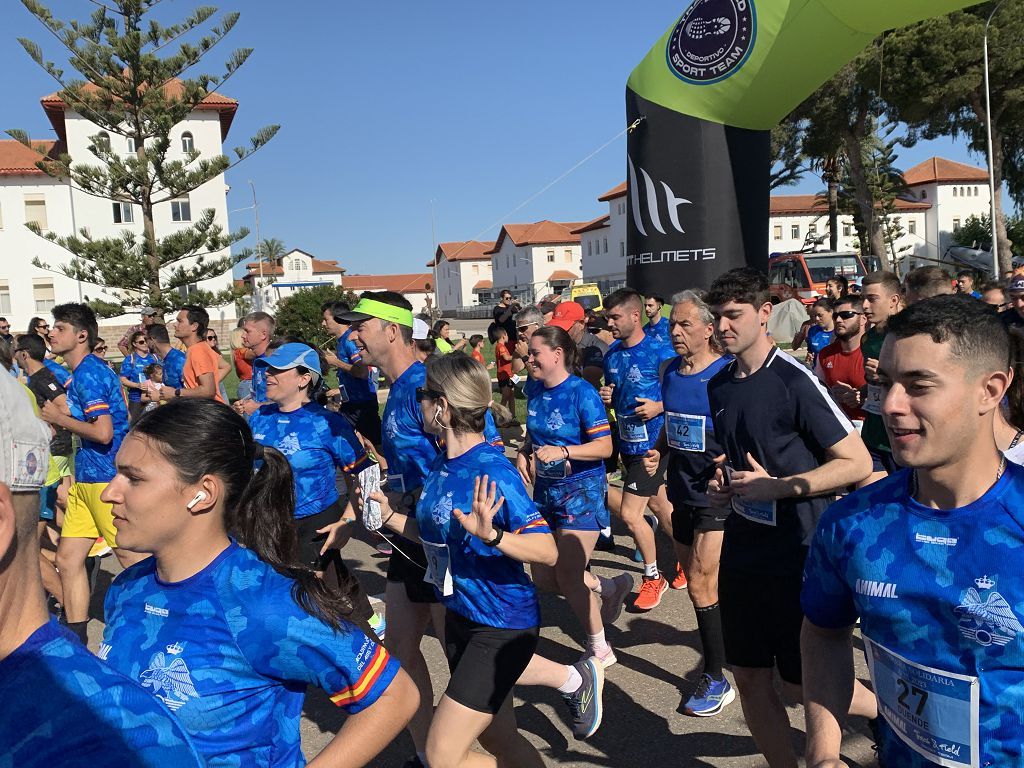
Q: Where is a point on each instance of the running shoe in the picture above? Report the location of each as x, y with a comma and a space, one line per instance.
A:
585, 704
650, 593
379, 625
605, 659
611, 601
710, 698
605, 543
384, 548
653, 522
679, 580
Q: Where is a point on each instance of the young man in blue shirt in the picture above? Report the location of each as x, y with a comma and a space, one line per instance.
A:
929, 559
61, 704
99, 418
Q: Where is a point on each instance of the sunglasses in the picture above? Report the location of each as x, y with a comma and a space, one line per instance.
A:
141, 343
848, 314
422, 393
525, 328
102, 348
43, 326
211, 338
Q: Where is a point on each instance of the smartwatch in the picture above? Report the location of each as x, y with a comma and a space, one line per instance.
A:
498, 533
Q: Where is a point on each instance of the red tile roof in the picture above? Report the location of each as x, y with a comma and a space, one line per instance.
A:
563, 274
599, 223
462, 250
539, 233
483, 285
941, 170
409, 283
54, 106
18, 160
611, 194
781, 205
320, 266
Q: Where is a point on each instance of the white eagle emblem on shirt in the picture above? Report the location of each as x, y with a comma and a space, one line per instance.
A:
391, 426
289, 444
171, 683
555, 421
634, 376
442, 511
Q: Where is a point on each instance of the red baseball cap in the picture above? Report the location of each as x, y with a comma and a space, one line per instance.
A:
566, 314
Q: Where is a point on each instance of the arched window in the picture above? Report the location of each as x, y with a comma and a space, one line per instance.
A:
954, 191
187, 143
131, 145
103, 141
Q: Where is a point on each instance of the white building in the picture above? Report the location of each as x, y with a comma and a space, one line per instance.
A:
463, 272
603, 243
292, 272
27, 194
533, 260
418, 288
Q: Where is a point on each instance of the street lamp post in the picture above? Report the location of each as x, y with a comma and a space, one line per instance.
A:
258, 296
988, 130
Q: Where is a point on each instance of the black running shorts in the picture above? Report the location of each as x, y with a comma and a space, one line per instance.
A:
761, 620
636, 480
485, 662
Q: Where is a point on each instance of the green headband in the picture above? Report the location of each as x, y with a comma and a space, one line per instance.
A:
384, 311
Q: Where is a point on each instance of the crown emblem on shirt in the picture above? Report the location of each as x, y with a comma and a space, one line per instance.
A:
984, 582
175, 649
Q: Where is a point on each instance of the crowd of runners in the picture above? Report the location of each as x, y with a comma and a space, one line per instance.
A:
857, 498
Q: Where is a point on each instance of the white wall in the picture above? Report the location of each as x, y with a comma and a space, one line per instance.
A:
917, 241
455, 281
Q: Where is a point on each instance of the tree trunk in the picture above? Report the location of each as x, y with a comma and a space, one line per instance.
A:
865, 202
833, 214
1005, 244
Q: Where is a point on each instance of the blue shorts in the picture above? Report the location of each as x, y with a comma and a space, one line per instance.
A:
48, 502
575, 503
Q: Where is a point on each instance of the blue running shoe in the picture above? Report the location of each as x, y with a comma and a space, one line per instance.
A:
710, 698
586, 706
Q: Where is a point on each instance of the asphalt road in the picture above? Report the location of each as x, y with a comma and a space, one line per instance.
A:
657, 666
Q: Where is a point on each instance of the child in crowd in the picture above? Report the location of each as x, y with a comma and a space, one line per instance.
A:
476, 343
503, 357
154, 380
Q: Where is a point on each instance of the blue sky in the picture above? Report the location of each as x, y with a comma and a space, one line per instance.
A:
385, 107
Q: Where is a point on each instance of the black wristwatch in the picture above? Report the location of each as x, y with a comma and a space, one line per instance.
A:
177, 392
498, 533
525, 358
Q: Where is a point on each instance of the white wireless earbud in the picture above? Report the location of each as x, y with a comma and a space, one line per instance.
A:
201, 496
437, 417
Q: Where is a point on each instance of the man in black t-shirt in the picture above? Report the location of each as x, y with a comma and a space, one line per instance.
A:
788, 447
1013, 317
505, 314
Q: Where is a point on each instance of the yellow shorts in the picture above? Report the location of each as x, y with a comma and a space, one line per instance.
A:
86, 516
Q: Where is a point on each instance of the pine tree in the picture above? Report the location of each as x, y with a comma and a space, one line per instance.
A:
132, 86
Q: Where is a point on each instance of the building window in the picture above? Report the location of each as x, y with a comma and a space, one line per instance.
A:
606, 245
476, 269
515, 257
123, 213
622, 250
131, 145
5, 298
956, 225
181, 210
847, 230
590, 248
975, 191
506, 261
35, 210
103, 141
912, 226
551, 256
954, 191
568, 256
187, 143
924, 194
777, 232
812, 229
794, 231
43, 295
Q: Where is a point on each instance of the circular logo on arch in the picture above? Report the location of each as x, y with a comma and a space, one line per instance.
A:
712, 40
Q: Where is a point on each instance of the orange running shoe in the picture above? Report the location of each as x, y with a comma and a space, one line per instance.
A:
650, 592
679, 582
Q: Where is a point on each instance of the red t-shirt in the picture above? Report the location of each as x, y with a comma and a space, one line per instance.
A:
242, 366
479, 357
504, 366
838, 367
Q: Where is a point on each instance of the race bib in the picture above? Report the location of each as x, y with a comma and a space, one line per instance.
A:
934, 712
873, 400
439, 572
760, 512
632, 429
684, 432
552, 470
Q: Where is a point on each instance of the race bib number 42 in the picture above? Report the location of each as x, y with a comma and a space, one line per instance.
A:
934, 712
684, 432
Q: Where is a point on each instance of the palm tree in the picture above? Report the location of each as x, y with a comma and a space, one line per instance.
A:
270, 250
